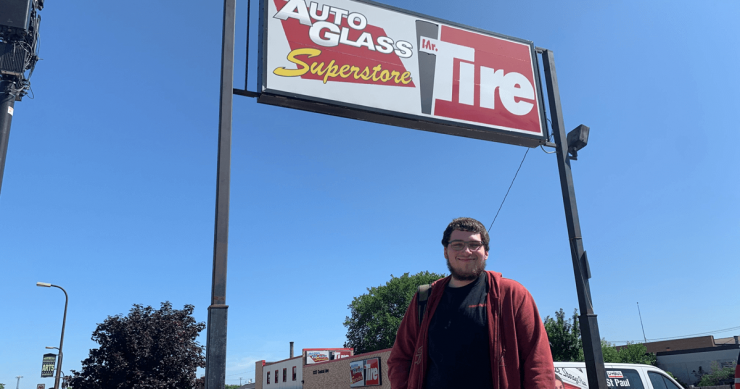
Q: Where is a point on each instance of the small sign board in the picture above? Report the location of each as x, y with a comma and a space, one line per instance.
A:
369, 61
41, 386
365, 373
317, 356
47, 366
372, 372
356, 374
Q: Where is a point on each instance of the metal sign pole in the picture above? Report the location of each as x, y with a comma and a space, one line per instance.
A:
7, 101
218, 310
588, 323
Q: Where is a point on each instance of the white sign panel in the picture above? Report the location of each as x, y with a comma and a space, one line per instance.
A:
370, 58
317, 356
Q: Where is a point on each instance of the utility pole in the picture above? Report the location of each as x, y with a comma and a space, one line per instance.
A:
19, 381
19, 37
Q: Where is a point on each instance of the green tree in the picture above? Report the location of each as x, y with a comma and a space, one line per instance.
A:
147, 349
566, 344
718, 376
610, 353
377, 314
636, 353
631, 353
565, 336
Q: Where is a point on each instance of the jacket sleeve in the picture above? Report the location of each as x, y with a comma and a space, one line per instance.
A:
402, 354
534, 347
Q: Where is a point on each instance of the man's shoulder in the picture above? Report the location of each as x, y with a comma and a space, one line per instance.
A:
512, 285
440, 281
509, 287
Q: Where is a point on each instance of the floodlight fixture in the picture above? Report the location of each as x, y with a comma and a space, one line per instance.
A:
577, 139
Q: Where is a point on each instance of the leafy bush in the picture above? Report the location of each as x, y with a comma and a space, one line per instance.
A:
718, 376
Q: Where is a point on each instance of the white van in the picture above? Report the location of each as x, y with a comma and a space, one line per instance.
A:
618, 376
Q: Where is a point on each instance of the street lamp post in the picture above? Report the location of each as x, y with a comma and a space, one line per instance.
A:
64, 322
60, 357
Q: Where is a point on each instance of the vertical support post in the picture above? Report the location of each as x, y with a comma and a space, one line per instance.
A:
61, 339
7, 101
218, 310
589, 325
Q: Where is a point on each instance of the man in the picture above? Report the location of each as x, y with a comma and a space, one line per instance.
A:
480, 330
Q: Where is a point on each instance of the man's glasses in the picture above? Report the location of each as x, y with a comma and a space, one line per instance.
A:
459, 245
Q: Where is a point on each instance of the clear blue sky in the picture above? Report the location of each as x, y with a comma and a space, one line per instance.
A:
109, 186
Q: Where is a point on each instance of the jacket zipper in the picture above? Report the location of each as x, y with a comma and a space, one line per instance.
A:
503, 348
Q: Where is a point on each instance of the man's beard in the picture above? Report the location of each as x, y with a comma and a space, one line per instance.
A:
470, 276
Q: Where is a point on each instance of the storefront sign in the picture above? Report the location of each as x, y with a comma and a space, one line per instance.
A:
365, 373
317, 356
342, 354
357, 374
373, 62
372, 372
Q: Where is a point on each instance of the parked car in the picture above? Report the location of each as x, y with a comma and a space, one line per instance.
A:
572, 375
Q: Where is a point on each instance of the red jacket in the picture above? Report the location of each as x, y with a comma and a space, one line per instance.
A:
518, 344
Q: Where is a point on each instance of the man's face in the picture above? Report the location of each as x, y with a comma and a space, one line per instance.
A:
558, 384
466, 264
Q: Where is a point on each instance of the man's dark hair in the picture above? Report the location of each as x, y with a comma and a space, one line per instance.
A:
466, 224
557, 377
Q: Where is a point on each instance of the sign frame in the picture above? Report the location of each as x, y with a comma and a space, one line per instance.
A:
400, 119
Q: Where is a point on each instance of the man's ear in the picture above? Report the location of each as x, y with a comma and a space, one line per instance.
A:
445, 253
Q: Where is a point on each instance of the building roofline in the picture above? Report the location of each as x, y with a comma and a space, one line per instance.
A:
350, 358
719, 347
287, 359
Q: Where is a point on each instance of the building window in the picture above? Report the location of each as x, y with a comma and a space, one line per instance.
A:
268, 377
294, 374
277, 377
285, 374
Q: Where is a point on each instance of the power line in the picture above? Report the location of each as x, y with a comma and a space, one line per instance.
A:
683, 336
507, 191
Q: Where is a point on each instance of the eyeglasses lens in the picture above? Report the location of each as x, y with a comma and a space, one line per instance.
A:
460, 246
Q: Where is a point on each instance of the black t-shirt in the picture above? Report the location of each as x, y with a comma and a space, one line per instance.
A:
458, 339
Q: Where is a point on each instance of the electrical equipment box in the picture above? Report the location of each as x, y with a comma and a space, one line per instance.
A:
15, 14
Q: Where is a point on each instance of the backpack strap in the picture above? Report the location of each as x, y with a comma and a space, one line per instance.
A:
423, 291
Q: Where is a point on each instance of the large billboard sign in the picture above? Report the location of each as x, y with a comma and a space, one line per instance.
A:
373, 62
315, 355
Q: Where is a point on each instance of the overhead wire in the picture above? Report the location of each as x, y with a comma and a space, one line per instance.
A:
517, 173
682, 336
508, 190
